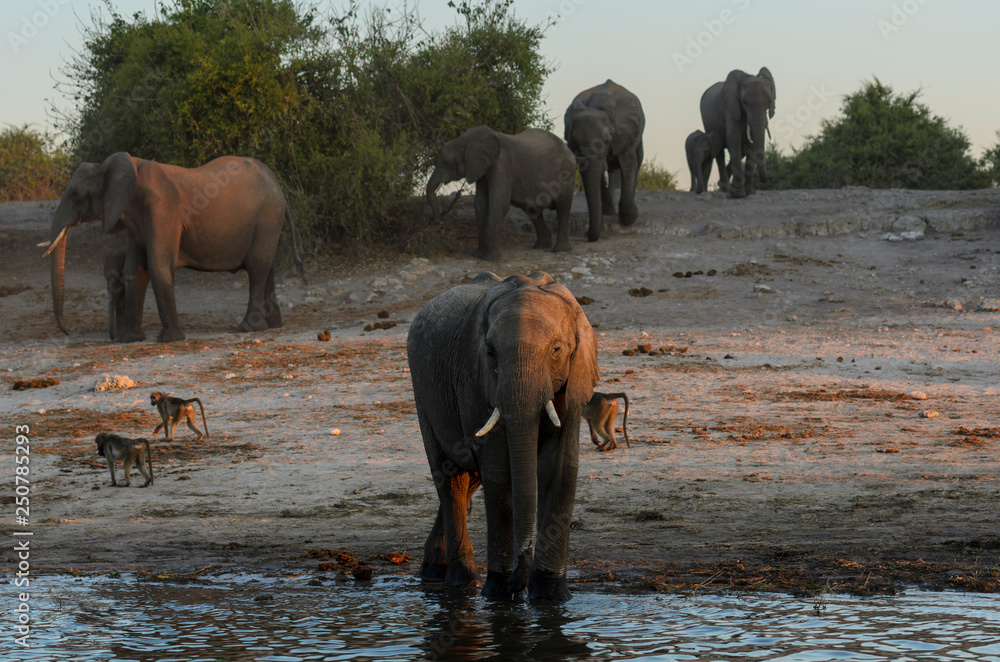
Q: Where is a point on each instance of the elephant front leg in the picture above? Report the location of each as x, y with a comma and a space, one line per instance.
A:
450, 527
136, 281
499, 537
556, 492
734, 138
488, 219
628, 212
435, 565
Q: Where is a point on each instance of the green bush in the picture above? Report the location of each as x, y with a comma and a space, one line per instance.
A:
881, 140
30, 167
990, 164
349, 110
653, 176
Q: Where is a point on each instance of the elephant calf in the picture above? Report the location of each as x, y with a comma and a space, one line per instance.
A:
701, 149
532, 170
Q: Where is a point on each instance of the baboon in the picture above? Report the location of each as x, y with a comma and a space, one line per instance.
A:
173, 411
112, 447
600, 414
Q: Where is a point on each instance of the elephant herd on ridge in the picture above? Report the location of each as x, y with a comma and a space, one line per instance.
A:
502, 369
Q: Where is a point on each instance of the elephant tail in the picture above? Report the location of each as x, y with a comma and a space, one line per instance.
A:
295, 247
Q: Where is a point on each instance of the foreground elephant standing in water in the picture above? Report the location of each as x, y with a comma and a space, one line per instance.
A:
224, 216
501, 370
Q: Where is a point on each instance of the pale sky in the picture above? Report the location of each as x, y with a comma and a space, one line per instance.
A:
665, 51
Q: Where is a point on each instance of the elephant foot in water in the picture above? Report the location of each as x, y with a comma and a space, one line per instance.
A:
546, 585
455, 574
497, 586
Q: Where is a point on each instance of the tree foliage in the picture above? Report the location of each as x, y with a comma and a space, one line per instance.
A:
30, 167
654, 177
349, 109
990, 163
881, 140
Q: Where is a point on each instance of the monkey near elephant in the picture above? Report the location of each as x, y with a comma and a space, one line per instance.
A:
604, 128
113, 447
501, 370
532, 170
701, 149
173, 410
738, 109
226, 215
600, 414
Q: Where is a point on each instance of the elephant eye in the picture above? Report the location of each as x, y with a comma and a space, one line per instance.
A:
556, 349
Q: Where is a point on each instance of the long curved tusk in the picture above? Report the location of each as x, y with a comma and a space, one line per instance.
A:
494, 417
62, 236
550, 409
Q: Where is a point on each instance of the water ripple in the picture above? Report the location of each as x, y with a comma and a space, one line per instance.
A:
123, 619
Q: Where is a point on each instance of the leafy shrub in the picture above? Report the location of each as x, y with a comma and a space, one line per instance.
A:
30, 168
653, 176
349, 110
881, 140
990, 164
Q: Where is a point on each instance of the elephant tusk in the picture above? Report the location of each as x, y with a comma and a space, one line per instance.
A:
44, 244
494, 417
55, 242
550, 409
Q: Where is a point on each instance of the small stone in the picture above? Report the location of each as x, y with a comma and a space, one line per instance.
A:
918, 395
335, 431
928, 413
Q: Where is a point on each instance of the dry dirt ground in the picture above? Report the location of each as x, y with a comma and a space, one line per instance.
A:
819, 409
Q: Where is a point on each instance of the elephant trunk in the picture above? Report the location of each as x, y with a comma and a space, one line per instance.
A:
758, 132
57, 265
437, 179
522, 440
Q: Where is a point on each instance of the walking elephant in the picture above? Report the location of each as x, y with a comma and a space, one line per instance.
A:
701, 149
604, 128
501, 370
738, 109
224, 216
532, 170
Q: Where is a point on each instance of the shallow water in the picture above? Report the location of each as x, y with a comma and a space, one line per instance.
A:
249, 617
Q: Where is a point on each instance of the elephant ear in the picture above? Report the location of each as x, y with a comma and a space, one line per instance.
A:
766, 73
482, 149
119, 182
583, 367
568, 119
